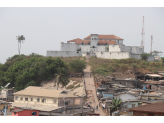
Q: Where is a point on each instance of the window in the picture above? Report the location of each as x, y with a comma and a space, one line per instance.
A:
61, 101
38, 99
55, 100
16, 98
31, 99
43, 100
26, 99
66, 102
34, 113
15, 113
133, 105
21, 98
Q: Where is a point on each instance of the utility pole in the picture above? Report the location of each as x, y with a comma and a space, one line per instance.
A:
143, 33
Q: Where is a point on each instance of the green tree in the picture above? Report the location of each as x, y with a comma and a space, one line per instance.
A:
77, 66
145, 56
156, 53
62, 77
162, 60
20, 39
116, 104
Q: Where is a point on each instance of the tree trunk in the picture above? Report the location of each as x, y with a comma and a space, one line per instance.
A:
18, 48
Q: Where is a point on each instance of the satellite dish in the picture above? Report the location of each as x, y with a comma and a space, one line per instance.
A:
7, 85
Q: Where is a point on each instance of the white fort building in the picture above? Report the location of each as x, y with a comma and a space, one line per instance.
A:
100, 46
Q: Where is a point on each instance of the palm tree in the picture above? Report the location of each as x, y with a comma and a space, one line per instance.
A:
116, 104
61, 77
20, 39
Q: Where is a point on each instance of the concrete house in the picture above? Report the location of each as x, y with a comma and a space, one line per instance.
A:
101, 46
46, 100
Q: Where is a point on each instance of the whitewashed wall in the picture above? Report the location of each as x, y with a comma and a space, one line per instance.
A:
113, 55
137, 50
125, 48
136, 56
114, 48
63, 53
101, 48
69, 47
85, 48
94, 40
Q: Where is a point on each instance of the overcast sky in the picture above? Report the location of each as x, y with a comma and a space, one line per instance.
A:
45, 28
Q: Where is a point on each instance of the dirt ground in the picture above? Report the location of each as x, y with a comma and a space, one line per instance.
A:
79, 91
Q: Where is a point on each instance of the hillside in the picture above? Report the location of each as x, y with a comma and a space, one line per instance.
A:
30, 70
123, 68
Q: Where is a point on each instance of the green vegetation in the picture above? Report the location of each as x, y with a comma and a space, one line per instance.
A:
77, 86
79, 49
115, 104
107, 49
20, 39
77, 66
23, 71
70, 87
113, 66
62, 77
162, 59
145, 56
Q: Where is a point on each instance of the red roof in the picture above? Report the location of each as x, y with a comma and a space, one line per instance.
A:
108, 42
74, 40
105, 37
152, 108
99, 42
80, 42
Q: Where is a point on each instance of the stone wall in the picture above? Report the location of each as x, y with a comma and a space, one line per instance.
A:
63, 53
113, 55
69, 47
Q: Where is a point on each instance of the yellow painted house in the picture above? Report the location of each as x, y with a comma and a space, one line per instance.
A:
44, 99
2, 104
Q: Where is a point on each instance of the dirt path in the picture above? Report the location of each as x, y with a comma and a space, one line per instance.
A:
90, 86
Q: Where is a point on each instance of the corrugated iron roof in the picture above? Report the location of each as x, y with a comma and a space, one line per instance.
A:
152, 108
154, 75
42, 92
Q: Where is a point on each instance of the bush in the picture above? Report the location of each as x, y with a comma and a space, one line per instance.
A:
77, 66
145, 56
77, 86
70, 87
102, 71
155, 71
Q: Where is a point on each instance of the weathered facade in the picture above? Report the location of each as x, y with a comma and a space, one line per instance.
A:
101, 46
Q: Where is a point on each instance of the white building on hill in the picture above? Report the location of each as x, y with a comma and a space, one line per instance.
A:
101, 46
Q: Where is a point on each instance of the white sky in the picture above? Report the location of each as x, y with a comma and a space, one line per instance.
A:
45, 28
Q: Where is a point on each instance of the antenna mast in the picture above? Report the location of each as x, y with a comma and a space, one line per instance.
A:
151, 44
143, 33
